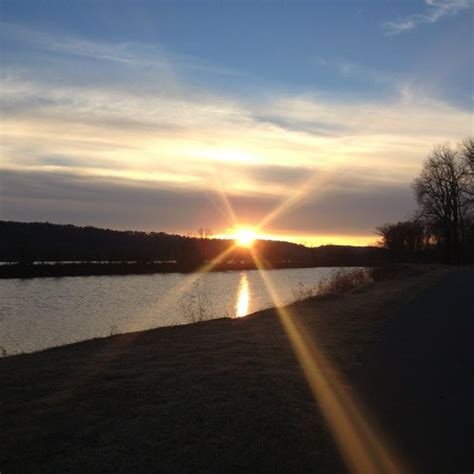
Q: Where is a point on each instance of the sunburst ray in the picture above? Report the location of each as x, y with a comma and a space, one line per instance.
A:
364, 448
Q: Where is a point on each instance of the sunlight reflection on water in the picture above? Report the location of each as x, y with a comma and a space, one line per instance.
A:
243, 296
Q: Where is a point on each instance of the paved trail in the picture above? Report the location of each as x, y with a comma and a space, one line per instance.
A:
420, 377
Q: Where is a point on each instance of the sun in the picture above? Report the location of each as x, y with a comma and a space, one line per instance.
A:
245, 237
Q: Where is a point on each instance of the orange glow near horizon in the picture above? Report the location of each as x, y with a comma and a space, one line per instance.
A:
309, 240
245, 235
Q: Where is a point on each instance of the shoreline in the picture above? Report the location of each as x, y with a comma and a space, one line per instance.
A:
57, 270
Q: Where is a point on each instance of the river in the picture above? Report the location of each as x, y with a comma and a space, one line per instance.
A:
39, 313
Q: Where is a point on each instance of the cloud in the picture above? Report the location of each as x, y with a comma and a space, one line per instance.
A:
124, 204
264, 147
278, 174
435, 11
153, 144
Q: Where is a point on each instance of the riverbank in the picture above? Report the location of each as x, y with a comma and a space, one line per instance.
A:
219, 396
56, 270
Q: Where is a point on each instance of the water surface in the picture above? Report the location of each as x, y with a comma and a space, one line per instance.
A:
44, 312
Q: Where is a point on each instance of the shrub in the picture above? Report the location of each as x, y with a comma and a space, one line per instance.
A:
196, 306
341, 281
344, 280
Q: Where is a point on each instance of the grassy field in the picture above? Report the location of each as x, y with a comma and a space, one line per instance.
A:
218, 396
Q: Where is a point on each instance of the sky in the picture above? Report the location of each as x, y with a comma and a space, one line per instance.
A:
307, 119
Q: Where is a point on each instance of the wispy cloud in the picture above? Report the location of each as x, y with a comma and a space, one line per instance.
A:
259, 150
69, 45
134, 54
351, 70
435, 10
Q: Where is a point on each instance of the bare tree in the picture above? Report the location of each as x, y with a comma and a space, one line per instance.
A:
443, 193
204, 233
466, 148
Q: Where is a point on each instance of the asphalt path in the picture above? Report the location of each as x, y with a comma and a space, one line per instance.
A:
419, 377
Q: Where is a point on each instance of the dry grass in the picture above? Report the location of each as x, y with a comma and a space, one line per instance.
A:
344, 280
196, 306
338, 283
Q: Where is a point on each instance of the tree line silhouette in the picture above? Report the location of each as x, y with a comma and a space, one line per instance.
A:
33, 247
442, 229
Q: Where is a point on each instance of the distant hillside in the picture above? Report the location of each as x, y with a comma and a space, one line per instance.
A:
26, 243
329, 255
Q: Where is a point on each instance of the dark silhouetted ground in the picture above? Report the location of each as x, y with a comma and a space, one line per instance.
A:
229, 396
